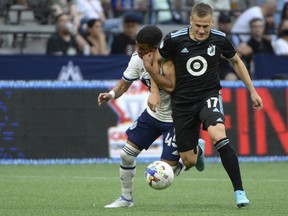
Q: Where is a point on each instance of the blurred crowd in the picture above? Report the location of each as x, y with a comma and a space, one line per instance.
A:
104, 27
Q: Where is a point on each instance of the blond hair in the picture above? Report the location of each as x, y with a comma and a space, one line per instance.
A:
202, 10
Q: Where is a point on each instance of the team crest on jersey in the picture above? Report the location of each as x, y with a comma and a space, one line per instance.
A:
211, 50
134, 125
161, 44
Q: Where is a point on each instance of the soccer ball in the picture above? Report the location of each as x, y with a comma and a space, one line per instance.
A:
159, 175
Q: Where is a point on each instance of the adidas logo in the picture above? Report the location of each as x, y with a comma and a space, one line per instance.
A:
219, 120
175, 153
184, 50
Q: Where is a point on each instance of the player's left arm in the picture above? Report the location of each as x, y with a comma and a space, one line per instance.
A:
243, 74
154, 101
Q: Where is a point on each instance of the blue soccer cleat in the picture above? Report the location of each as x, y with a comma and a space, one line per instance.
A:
241, 199
200, 165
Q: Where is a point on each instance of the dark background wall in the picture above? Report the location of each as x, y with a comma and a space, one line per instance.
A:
47, 123
38, 122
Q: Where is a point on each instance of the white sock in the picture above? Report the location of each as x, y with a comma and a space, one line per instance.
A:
127, 177
128, 169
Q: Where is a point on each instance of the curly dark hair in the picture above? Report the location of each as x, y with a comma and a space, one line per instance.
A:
149, 34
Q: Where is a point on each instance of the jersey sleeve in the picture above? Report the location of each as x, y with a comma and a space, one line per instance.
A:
228, 49
166, 46
132, 71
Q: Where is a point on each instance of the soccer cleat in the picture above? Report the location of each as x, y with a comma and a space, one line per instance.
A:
241, 199
121, 202
180, 168
200, 165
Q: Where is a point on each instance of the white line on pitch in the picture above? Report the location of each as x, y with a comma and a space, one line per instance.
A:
116, 178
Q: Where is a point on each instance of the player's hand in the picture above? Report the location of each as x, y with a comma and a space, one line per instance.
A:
104, 98
256, 101
154, 102
148, 61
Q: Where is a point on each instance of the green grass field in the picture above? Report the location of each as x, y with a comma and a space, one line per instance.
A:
78, 190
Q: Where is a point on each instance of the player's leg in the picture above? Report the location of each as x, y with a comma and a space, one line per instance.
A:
213, 121
170, 153
127, 168
194, 157
230, 161
141, 134
127, 172
178, 166
190, 147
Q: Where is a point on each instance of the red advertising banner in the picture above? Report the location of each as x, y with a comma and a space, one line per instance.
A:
257, 133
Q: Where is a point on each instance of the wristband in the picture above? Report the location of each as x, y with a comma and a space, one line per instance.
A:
112, 93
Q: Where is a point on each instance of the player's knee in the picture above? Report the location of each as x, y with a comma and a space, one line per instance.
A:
128, 155
216, 133
215, 138
127, 159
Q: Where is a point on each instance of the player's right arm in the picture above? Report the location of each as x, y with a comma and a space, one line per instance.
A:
121, 87
165, 80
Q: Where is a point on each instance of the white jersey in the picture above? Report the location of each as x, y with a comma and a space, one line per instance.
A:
89, 9
280, 46
136, 71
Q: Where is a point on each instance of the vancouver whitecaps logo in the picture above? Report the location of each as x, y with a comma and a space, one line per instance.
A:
70, 72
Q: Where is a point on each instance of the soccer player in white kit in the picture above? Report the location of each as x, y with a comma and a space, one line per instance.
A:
155, 120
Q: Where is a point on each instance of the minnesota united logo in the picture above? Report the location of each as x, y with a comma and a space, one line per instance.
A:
161, 44
211, 50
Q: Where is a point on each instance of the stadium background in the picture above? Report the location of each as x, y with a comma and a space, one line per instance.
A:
50, 111
56, 144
